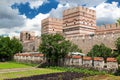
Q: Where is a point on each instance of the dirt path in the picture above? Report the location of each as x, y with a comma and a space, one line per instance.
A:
16, 70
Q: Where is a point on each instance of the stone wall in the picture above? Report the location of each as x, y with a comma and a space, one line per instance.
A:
74, 60
79, 26
29, 41
85, 42
27, 36
108, 28
31, 45
97, 62
29, 58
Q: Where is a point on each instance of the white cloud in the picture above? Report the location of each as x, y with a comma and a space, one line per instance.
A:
30, 25
88, 3
34, 24
11, 23
33, 3
57, 13
37, 3
107, 13
8, 17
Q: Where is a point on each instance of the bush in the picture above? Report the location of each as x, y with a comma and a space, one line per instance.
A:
118, 59
79, 70
117, 73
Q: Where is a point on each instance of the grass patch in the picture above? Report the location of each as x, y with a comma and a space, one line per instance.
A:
79, 70
27, 73
10, 65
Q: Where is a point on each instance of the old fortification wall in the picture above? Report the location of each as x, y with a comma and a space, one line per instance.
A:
103, 35
73, 60
51, 25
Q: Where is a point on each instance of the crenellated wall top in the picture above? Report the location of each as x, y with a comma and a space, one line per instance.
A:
80, 8
51, 19
108, 27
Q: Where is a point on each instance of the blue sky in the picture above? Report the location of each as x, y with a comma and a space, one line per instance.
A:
44, 8
20, 15
31, 13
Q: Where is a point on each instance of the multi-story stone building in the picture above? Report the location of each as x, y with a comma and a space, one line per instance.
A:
51, 26
79, 21
79, 26
27, 36
29, 41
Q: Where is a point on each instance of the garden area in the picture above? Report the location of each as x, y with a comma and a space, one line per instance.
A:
10, 70
55, 48
18, 71
50, 73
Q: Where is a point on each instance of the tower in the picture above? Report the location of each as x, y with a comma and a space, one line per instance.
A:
51, 26
27, 36
79, 21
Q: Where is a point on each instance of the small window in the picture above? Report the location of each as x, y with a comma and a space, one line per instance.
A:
83, 13
29, 36
74, 22
83, 22
66, 24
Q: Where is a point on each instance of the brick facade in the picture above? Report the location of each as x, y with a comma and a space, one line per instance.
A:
79, 26
78, 21
51, 26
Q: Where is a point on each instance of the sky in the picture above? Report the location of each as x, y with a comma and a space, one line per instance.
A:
26, 15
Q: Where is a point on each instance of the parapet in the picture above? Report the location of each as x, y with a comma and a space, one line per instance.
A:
80, 8
108, 27
51, 19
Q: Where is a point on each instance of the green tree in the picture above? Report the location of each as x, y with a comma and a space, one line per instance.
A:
118, 21
117, 44
95, 51
8, 47
105, 51
4, 48
100, 51
55, 48
118, 59
74, 48
16, 45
